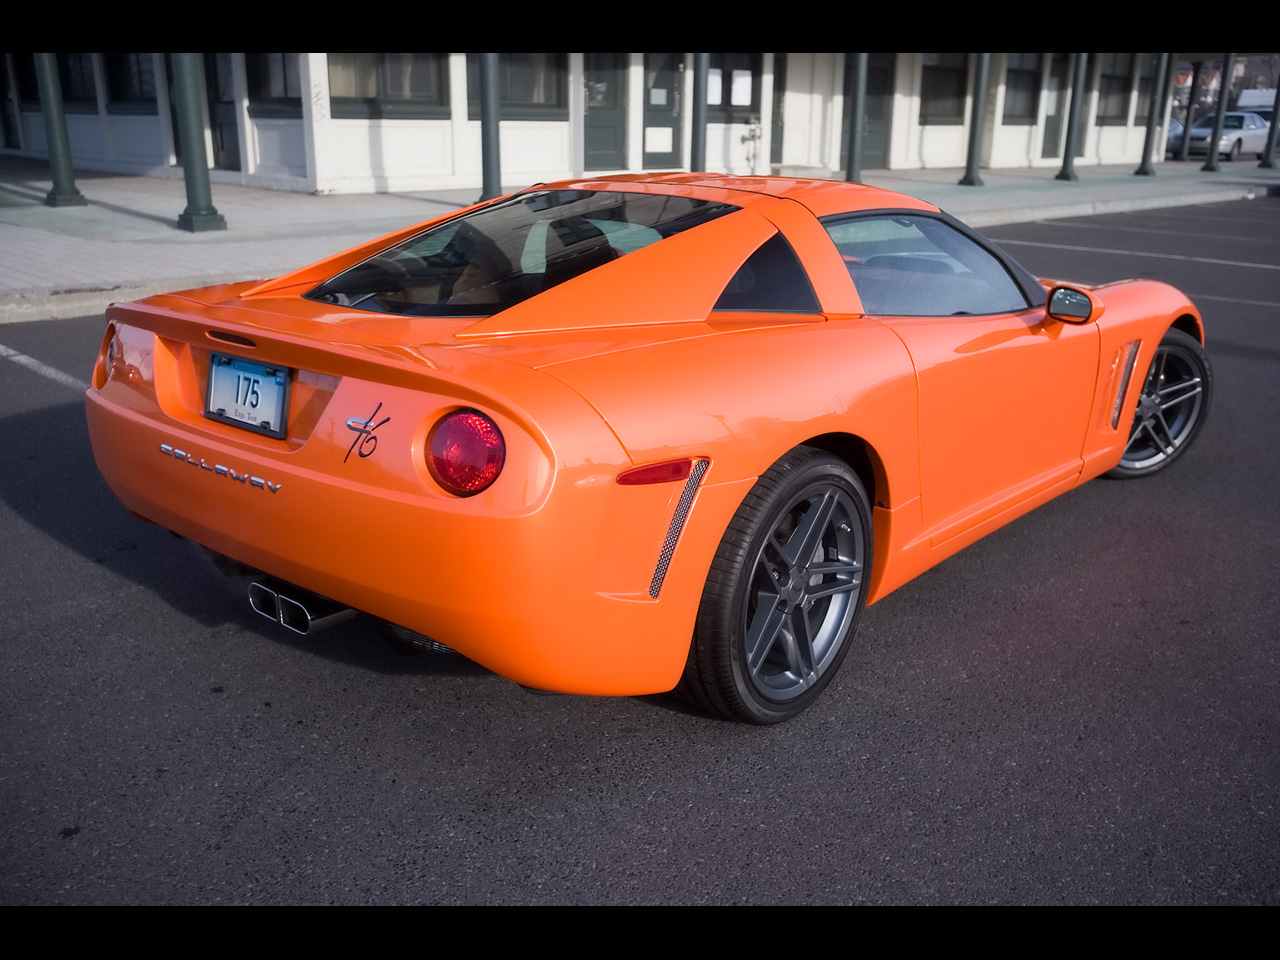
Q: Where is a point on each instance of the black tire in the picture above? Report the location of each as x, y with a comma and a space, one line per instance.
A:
1235, 151
785, 592
1171, 408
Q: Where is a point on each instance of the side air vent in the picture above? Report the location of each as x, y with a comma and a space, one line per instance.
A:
1128, 354
677, 525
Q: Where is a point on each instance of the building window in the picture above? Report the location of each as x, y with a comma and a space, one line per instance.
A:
24, 69
1146, 80
131, 82
8, 114
274, 87
733, 87
531, 86
1115, 75
942, 88
1021, 88
412, 85
79, 92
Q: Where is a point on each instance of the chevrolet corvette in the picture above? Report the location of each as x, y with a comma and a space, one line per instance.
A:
634, 434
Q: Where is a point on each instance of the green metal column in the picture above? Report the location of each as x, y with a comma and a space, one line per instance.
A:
1224, 86
64, 192
698, 146
1268, 160
1145, 169
857, 118
1184, 148
490, 154
1068, 171
976, 118
188, 84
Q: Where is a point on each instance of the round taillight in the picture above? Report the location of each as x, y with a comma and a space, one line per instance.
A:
466, 452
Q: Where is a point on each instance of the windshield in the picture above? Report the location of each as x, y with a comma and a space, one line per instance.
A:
1229, 122
487, 261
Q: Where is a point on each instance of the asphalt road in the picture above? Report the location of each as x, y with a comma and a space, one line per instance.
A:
1084, 707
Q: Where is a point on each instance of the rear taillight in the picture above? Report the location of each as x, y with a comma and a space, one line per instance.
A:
103, 369
465, 452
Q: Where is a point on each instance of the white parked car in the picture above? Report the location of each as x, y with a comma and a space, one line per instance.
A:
1241, 133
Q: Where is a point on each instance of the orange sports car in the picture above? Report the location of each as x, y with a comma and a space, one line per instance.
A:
626, 435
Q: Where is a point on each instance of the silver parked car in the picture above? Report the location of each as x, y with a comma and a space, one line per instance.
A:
1241, 133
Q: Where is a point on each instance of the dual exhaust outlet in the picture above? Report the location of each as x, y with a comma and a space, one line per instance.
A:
299, 610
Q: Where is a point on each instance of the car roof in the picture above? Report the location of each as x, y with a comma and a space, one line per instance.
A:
821, 197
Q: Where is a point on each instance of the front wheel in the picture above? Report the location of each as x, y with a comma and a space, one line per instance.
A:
1235, 151
785, 592
1171, 409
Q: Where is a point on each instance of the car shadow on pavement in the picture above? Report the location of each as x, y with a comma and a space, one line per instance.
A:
51, 490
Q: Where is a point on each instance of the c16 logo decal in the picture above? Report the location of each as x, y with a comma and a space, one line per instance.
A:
365, 439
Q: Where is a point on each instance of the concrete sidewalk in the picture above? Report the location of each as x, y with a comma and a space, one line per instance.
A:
72, 261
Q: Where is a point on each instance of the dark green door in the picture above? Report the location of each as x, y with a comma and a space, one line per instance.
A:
606, 126
222, 111
663, 77
875, 136
1055, 121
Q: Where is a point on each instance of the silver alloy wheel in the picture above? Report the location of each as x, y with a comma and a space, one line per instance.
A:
806, 583
1169, 408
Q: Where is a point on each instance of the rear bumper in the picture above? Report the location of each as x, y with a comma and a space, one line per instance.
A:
551, 593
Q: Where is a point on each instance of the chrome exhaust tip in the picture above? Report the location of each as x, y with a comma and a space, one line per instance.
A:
306, 612
298, 610
264, 600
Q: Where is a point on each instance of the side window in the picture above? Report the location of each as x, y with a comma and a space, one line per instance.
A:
771, 280
908, 266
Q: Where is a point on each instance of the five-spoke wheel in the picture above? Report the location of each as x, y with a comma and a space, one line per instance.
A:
785, 592
1171, 407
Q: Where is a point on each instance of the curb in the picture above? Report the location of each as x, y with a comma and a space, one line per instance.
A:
65, 304
1090, 208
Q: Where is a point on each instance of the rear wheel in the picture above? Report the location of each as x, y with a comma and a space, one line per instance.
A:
785, 592
1171, 408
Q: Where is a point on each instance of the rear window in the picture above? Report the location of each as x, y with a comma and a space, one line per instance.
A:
487, 261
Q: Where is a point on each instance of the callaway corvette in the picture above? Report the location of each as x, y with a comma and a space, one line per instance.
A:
624, 435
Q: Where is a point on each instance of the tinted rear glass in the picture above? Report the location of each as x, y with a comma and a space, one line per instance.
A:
487, 261
915, 266
772, 279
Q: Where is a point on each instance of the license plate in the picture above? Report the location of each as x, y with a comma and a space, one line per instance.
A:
249, 395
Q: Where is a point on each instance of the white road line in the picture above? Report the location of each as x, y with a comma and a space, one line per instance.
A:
31, 363
1136, 253
1183, 233
1252, 303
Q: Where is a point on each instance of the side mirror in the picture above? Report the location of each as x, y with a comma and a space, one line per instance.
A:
1072, 305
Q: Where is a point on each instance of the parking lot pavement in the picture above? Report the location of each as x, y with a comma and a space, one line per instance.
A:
1082, 707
